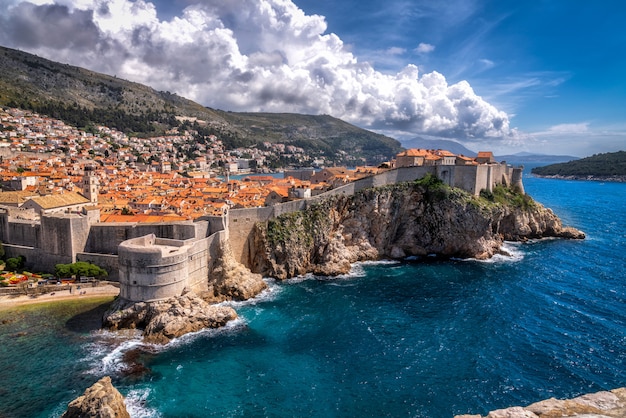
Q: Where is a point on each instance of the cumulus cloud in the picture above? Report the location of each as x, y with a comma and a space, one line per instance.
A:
252, 55
423, 48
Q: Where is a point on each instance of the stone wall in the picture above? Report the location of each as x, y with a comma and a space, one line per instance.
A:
152, 268
106, 261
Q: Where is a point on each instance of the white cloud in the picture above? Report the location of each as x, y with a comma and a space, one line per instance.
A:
424, 48
253, 55
396, 50
570, 128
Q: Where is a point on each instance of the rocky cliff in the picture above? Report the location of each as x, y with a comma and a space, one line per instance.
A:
101, 400
602, 404
408, 219
166, 319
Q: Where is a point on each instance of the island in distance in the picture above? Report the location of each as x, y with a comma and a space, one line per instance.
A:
600, 167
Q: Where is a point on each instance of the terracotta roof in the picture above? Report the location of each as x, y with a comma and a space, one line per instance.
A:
60, 200
15, 198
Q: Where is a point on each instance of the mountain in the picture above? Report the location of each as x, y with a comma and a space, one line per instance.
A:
609, 165
452, 146
82, 98
530, 158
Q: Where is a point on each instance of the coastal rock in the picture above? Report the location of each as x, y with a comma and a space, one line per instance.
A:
397, 221
101, 400
166, 319
602, 404
231, 280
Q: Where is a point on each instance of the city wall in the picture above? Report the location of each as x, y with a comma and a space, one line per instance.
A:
473, 179
152, 268
156, 261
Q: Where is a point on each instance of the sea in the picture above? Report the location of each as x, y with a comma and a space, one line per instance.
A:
410, 338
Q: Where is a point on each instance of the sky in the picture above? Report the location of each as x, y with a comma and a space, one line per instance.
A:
539, 76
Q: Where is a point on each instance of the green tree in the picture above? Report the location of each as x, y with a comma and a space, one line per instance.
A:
15, 263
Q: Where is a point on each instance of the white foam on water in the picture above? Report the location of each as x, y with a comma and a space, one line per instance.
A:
231, 327
512, 254
136, 404
270, 293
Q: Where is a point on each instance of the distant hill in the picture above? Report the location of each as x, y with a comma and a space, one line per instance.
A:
81, 98
529, 158
609, 166
452, 146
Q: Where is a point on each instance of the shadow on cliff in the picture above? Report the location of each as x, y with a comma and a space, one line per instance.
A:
88, 321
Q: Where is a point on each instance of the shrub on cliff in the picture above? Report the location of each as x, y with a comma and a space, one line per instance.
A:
507, 196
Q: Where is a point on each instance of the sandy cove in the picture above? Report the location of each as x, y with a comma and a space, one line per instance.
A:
9, 301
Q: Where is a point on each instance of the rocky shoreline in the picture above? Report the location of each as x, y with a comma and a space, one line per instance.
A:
103, 400
395, 222
604, 404
412, 219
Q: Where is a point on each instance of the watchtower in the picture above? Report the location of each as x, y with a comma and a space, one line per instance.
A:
91, 185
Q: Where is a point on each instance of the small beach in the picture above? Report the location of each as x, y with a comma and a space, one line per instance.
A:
85, 292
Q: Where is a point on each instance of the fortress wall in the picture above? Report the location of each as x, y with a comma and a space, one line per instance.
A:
150, 271
465, 177
23, 233
105, 238
214, 242
198, 259
30, 253
80, 228
213, 224
240, 224
241, 221
106, 261
56, 237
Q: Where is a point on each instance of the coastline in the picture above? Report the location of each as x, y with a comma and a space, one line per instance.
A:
11, 301
613, 179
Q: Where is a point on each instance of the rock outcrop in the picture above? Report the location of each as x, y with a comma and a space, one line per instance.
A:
101, 400
603, 404
166, 319
231, 280
407, 219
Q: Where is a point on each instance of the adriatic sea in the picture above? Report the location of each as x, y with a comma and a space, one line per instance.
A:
417, 338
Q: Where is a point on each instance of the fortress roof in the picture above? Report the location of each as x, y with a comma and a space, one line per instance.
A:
60, 200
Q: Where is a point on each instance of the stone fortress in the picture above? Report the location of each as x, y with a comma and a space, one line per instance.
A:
155, 261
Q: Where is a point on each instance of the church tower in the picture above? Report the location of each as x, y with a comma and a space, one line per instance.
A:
91, 186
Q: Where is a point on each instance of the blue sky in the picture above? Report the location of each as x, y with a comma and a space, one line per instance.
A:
537, 76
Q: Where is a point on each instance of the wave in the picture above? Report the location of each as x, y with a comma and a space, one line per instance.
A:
511, 253
106, 350
136, 404
270, 293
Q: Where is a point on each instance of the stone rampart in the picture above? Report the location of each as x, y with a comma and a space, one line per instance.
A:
106, 261
106, 237
152, 268
159, 260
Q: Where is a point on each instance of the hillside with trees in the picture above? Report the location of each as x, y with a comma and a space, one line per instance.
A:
84, 98
608, 166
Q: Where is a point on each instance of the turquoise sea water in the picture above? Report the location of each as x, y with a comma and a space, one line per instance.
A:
420, 339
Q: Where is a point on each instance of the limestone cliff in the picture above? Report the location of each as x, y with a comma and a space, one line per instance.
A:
231, 280
166, 319
406, 219
603, 404
101, 400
